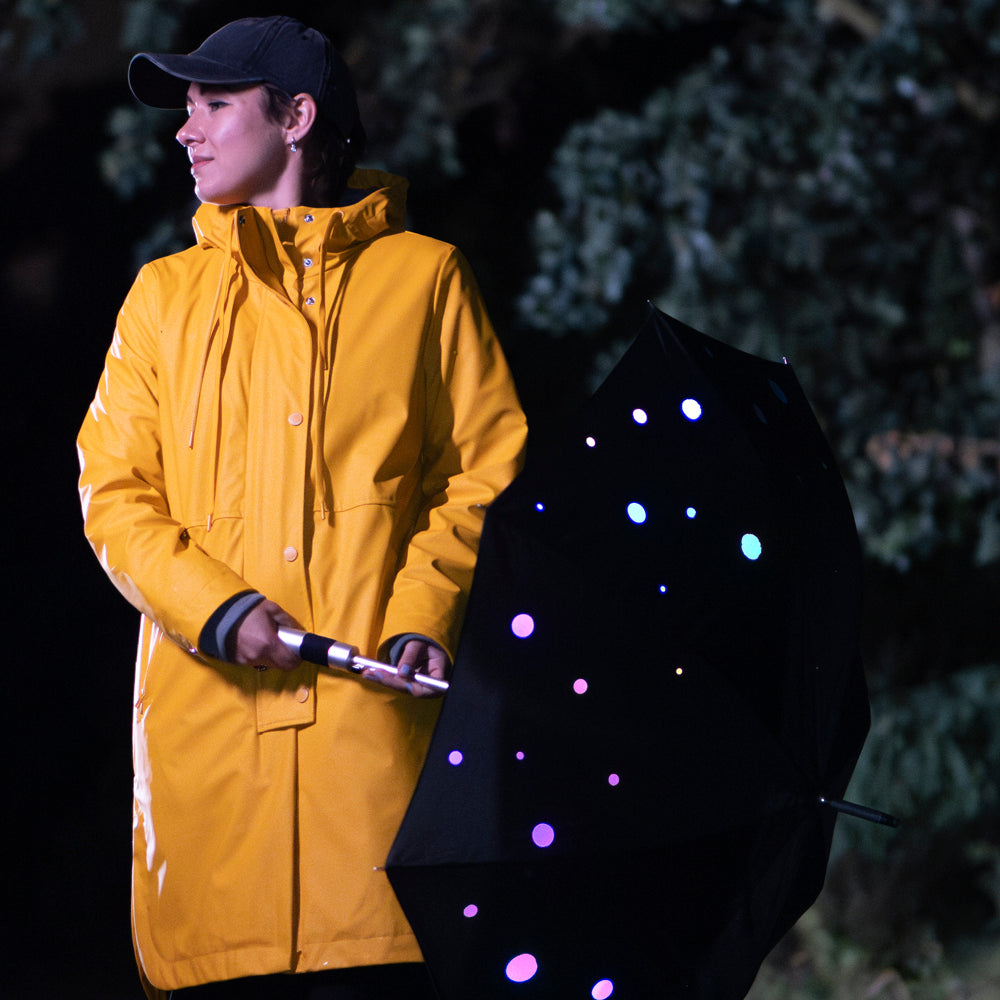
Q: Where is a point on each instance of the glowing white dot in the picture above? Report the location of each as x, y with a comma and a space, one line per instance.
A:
679, 671
750, 544
521, 968
591, 442
691, 409
580, 686
522, 625
455, 758
543, 835
691, 513
603, 989
636, 512
470, 911
639, 415
614, 780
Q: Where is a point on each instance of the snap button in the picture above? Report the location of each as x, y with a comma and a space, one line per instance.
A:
291, 553
308, 262
295, 419
307, 218
310, 301
302, 695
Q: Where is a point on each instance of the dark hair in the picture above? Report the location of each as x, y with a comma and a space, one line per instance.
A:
330, 157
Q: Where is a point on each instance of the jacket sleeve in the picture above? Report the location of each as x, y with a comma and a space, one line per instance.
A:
474, 439
146, 553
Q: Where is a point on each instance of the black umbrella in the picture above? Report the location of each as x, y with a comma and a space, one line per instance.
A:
656, 697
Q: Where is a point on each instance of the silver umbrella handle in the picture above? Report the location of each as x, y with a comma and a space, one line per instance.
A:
330, 653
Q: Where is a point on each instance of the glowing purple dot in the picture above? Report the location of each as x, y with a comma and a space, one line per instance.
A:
522, 625
455, 758
519, 755
470, 911
521, 968
543, 835
603, 989
614, 780
580, 686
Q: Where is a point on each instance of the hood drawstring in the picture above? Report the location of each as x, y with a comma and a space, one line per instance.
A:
327, 348
219, 317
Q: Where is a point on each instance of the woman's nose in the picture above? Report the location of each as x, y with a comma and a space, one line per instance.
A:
187, 133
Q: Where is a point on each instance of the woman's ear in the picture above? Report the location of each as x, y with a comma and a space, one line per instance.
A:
301, 117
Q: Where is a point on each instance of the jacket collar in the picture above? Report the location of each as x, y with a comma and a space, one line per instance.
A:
381, 208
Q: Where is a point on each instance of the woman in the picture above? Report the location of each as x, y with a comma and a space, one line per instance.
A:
301, 421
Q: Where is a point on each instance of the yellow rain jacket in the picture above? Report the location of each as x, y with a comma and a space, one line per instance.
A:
311, 404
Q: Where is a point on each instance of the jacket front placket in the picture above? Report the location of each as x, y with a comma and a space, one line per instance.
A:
281, 418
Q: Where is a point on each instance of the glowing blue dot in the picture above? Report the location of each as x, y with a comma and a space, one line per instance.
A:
543, 835
521, 968
522, 625
639, 416
470, 911
691, 513
637, 513
603, 989
539, 506
663, 588
750, 544
455, 758
691, 409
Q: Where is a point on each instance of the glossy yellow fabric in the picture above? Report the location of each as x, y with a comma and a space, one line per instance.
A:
310, 404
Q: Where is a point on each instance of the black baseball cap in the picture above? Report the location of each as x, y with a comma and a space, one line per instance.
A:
277, 50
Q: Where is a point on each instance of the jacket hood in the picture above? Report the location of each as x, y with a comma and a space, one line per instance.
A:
380, 207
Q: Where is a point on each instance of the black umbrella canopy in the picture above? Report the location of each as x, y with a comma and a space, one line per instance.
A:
657, 683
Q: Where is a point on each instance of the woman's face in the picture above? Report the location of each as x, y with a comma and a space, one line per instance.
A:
238, 154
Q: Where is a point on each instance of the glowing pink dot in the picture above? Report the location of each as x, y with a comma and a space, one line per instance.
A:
471, 910
522, 626
543, 835
521, 968
603, 989
614, 780
519, 755
580, 686
455, 758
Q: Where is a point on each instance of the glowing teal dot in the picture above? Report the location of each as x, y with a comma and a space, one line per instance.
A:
691, 409
636, 513
691, 513
750, 544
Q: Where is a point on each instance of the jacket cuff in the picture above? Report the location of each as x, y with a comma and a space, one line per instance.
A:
214, 638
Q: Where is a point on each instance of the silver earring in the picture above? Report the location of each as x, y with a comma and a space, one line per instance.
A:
293, 147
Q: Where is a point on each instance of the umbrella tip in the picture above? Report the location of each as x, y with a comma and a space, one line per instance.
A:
861, 812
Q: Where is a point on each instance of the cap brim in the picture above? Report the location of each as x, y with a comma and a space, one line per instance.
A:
161, 81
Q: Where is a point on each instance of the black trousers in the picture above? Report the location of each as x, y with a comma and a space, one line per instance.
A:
407, 981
